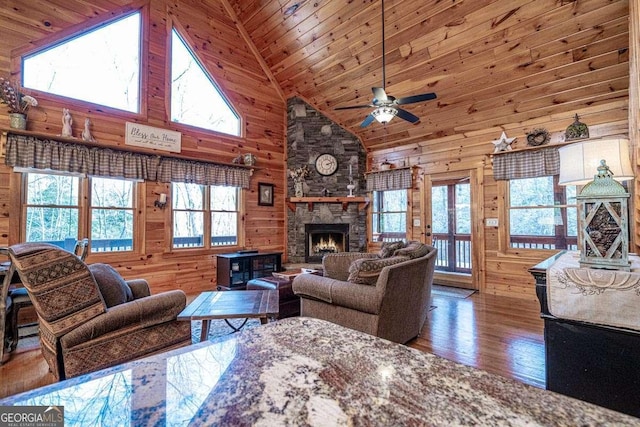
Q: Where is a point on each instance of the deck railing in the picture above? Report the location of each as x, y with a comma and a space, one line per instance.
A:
454, 253
196, 241
544, 242
117, 245
389, 237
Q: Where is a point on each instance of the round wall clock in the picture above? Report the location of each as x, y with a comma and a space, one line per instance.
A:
326, 164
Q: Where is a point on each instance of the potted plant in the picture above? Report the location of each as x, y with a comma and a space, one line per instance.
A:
17, 102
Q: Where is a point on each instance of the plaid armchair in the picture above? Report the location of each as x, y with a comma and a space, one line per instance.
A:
89, 317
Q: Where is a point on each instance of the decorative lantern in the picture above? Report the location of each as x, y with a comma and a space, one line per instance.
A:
576, 130
603, 221
603, 236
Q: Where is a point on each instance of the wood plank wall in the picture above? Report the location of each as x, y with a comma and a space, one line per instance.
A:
504, 270
579, 67
512, 65
495, 64
215, 38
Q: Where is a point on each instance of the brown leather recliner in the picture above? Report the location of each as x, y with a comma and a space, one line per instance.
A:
89, 317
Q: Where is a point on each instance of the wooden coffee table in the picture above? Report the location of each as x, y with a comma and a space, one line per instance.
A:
231, 305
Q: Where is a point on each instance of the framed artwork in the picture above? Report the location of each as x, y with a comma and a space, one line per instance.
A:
265, 194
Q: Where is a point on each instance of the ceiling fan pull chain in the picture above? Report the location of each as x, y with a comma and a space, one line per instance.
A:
384, 76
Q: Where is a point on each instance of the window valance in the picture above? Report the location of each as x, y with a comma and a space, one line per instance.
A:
31, 152
179, 170
526, 164
396, 179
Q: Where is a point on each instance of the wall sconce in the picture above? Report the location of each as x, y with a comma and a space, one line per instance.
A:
603, 213
161, 202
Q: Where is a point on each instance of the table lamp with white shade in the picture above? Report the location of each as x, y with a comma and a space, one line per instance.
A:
603, 216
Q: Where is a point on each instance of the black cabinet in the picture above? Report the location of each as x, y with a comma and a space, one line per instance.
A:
236, 269
596, 363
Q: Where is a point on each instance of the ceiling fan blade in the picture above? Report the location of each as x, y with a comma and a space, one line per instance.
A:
416, 98
379, 94
367, 121
351, 107
404, 114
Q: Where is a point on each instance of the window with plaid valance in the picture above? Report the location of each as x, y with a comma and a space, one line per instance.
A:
526, 164
396, 179
30, 152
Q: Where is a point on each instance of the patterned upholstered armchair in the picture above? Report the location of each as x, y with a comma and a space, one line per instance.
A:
386, 294
89, 317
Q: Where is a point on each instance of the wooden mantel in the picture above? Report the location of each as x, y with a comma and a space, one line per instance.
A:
362, 202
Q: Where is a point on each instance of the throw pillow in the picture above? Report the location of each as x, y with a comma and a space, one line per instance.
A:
388, 248
365, 271
113, 288
413, 250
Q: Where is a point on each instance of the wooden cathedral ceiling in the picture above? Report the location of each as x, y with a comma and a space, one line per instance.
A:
491, 62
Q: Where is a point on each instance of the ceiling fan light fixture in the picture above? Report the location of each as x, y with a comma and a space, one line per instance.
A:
385, 105
384, 114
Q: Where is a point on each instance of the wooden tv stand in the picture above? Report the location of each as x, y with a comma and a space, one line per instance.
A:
234, 270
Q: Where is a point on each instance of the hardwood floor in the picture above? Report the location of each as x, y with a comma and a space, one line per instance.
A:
498, 334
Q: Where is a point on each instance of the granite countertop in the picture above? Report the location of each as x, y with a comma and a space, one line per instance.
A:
302, 371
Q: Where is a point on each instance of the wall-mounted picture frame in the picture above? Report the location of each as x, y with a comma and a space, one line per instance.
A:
265, 194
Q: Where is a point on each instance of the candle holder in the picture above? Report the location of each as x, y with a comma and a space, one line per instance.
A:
351, 187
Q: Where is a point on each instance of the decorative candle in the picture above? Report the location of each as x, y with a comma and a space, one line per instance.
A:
163, 198
350, 172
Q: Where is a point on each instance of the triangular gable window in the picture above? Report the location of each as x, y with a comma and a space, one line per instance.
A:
195, 98
101, 66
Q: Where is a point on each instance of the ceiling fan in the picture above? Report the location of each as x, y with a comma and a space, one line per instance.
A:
386, 105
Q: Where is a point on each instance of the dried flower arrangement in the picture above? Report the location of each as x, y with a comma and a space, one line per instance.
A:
15, 100
299, 174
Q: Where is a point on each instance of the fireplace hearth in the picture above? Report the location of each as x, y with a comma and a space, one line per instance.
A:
322, 239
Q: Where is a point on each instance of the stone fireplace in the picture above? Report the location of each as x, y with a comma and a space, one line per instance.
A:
347, 228
309, 135
322, 239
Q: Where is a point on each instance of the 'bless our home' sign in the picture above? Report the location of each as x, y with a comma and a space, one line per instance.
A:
150, 137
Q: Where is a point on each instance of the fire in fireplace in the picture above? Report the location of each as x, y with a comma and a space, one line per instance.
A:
322, 239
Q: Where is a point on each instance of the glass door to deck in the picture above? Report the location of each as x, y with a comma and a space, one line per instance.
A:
451, 225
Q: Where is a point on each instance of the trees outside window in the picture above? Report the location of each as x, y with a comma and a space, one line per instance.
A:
53, 212
542, 214
195, 99
101, 66
389, 215
52, 208
201, 210
224, 215
112, 202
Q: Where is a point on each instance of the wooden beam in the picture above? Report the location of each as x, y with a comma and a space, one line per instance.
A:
634, 116
247, 39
